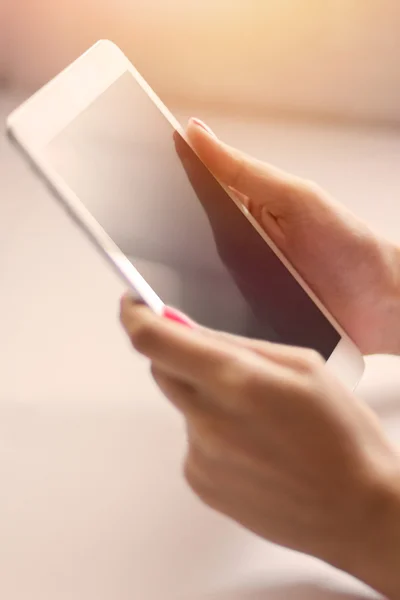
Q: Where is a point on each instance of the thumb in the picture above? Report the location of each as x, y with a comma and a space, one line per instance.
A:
263, 183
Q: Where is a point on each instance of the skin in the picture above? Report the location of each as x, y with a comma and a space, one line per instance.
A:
274, 440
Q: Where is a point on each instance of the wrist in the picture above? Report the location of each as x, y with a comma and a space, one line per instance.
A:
374, 557
390, 301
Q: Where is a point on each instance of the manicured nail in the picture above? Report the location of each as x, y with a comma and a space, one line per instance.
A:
173, 315
200, 123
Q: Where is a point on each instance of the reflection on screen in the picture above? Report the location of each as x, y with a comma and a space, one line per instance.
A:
166, 212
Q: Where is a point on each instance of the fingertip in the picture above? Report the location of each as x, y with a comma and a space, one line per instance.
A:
211, 150
128, 305
177, 317
198, 124
200, 136
128, 300
124, 303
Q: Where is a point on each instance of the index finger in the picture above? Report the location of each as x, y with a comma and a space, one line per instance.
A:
185, 353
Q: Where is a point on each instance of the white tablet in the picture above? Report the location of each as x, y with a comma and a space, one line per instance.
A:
117, 159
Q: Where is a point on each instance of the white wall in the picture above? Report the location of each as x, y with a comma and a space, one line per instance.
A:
335, 56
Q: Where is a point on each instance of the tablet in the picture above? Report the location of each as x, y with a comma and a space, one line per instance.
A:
118, 161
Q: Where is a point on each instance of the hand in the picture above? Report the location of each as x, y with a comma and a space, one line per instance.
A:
279, 445
255, 268
354, 272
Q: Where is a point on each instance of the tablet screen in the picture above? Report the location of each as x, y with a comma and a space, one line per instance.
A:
184, 234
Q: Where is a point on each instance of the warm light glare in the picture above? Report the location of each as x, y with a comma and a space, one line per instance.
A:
306, 54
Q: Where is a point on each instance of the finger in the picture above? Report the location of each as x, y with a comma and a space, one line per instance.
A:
182, 352
183, 396
226, 373
283, 355
178, 317
243, 199
288, 356
245, 174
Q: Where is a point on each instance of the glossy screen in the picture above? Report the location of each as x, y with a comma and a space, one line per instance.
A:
167, 213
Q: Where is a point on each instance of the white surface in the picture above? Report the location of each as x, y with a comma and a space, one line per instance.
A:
92, 504
339, 56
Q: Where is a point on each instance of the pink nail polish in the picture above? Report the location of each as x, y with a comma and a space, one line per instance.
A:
173, 315
200, 123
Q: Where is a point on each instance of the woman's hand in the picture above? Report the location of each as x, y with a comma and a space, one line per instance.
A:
279, 445
354, 272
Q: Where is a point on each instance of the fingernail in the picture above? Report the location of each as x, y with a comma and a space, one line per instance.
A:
200, 123
172, 315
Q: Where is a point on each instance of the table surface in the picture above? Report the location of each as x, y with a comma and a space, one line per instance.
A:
92, 502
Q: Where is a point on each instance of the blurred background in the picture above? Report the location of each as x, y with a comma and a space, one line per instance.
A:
92, 505
332, 58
